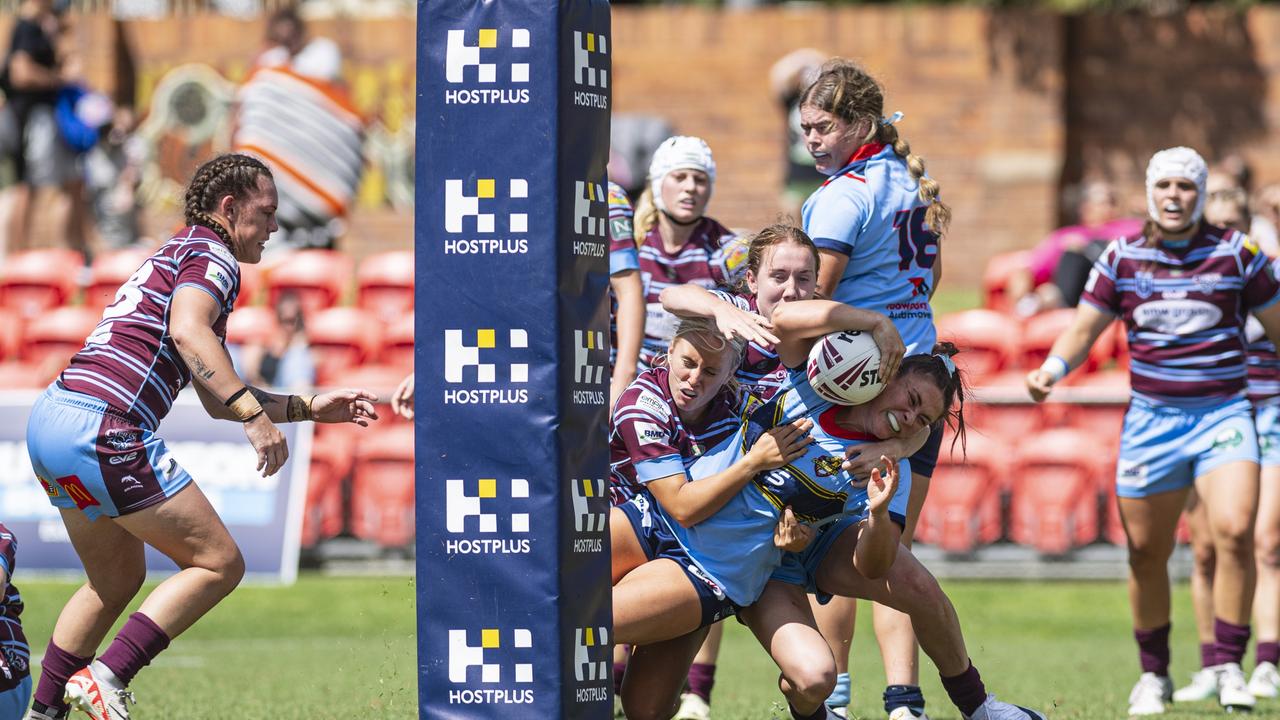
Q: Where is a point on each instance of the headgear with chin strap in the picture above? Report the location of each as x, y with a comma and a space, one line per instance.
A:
1177, 162
680, 152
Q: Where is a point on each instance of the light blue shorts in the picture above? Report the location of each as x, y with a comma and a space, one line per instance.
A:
1266, 418
1164, 448
88, 457
15, 701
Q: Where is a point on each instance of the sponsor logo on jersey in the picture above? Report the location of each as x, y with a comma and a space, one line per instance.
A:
130, 483
649, 433
472, 207
590, 70
919, 287
1144, 283
706, 580
464, 361
475, 509
122, 439
1207, 282
1177, 317
591, 661
78, 493
117, 459
50, 489
1131, 474
473, 60
504, 658
1228, 440
649, 401
216, 275
827, 465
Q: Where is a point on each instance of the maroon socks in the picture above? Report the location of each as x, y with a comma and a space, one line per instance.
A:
1231, 641
135, 646
966, 690
1209, 654
1153, 649
701, 677
57, 667
1269, 652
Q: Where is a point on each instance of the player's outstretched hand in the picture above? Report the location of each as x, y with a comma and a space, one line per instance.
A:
790, 534
891, 348
860, 460
735, 322
1039, 384
782, 444
267, 439
882, 487
402, 398
345, 405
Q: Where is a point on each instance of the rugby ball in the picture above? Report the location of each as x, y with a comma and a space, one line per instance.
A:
844, 368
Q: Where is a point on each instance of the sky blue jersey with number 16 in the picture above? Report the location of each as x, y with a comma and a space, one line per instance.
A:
871, 212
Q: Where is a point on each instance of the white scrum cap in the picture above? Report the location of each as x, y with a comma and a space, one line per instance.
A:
1177, 162
679, 152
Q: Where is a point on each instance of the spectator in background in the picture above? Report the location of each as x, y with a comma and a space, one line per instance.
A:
288, 46
31, 77
1058, 266
284, 361
113, 172
789, 77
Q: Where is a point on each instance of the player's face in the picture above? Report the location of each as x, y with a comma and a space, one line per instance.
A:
697, 374
253, 219
1175, 200
910, 401
830, 140
787, 273
685, 193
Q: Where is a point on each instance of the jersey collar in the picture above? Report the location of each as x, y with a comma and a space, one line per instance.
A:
827, 420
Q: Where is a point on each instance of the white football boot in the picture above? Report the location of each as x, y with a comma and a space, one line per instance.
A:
88, 692
1233, 691
1265, 681
1203, 686
692, 707
993, 709
1150, 694
904, 713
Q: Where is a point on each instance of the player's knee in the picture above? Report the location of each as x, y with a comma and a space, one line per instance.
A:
229, 568
812, 679
1204, 557
1235, 537
647, 706
1147, 555
1266, 542
122, 588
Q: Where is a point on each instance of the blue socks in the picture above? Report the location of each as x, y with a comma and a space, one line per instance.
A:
908, 696
840, 697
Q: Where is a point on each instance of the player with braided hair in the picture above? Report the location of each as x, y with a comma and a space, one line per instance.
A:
93, 443
877, 222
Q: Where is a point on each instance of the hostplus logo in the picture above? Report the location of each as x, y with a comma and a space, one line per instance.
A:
590, 359
590, 513
500, 658
473, 508
591, 660
591, 70
471, 210
473, 60
471, 363
590, 219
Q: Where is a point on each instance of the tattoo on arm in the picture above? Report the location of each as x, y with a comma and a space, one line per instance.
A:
198, 368
263, 397
299, 410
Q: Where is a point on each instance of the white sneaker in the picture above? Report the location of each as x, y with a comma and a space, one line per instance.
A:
904, 713
1150, 694
34, 714
1265, 681
993, 709
840, 712
88, 692
1233, 691
1203, 686
692, 707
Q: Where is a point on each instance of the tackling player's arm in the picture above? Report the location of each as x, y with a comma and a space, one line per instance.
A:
1069, 350
696, 301
878, 534
797, 323
689, 503
830, 270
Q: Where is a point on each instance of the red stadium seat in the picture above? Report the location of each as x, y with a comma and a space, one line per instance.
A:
1102, 422
253, 325
963, 509
1011, 420
25, 376
1054, 500
995, 279
109, 271
251, 277
342, 338
382, 487
1038, 335
397, 343
318, 277
57, 335
384, 284
332, 457
986, 340
37, 280
10, 333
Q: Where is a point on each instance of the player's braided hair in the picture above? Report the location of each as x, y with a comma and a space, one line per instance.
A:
946, 376
703, 332
231, 174
768, 237
848, 92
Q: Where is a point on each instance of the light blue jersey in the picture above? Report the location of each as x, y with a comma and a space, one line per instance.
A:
871, 212
735, 545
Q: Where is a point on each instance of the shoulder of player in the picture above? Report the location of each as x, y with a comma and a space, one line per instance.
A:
644, 397
201, 241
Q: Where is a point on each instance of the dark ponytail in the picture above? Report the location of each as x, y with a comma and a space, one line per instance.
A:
941, 369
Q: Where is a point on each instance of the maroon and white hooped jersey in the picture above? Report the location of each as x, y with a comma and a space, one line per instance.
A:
648, 440
1184, 308
130, 361
760, 372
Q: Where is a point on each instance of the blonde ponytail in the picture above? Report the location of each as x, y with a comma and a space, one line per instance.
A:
938, 216
646, 216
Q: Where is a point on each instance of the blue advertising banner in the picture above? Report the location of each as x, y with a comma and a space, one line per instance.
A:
512, 361
264, 515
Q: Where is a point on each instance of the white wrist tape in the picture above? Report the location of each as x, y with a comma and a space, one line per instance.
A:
1056, 367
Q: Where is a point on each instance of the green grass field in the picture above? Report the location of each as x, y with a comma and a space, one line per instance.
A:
344, 648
